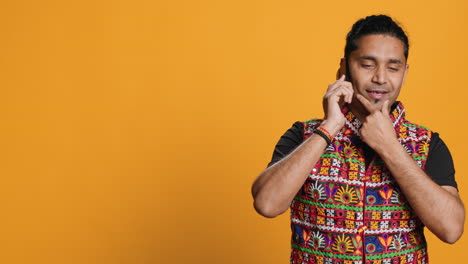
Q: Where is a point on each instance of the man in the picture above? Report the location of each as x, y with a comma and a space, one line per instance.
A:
363, 181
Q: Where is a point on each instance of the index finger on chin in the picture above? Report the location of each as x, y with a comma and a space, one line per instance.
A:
368, 105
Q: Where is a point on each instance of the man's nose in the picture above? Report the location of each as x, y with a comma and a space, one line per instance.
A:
380, 76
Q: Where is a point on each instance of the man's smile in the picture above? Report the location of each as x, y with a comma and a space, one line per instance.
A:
376, 94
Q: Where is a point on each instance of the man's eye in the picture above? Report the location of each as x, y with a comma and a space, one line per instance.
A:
366, 65
393, 69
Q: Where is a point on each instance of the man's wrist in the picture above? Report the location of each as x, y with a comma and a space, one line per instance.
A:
390, 148
332, 127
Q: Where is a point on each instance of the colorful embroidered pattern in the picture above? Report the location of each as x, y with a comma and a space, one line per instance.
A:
347, 212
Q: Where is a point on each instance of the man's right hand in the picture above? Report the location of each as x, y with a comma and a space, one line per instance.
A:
276, 186
337, 94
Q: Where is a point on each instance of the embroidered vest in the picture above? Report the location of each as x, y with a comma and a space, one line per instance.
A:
350, 212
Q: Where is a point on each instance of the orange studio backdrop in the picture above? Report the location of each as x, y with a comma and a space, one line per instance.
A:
131, 131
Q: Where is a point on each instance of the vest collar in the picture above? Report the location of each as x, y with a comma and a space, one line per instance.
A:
397, 115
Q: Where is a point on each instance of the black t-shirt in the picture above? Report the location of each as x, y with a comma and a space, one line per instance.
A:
439, 165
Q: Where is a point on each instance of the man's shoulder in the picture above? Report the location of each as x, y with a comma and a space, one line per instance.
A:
408, 123
415, 127
311, 124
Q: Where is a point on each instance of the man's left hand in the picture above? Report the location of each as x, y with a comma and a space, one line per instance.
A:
377, 129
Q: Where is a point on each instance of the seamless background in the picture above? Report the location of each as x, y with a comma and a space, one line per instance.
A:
131, 131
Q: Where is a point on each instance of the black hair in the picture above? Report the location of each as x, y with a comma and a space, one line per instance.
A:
375, 24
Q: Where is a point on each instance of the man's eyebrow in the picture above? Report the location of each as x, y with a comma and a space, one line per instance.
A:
395, 61
368, 57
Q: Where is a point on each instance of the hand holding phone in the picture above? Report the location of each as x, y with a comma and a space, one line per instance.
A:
338, 93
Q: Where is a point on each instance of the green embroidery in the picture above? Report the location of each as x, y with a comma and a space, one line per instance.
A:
395, 254
329, 206
388, 208
327, 254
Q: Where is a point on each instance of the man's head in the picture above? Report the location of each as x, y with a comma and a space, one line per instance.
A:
375, 59
380, 24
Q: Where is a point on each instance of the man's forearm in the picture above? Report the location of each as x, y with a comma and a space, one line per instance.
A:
439, 209
275, 187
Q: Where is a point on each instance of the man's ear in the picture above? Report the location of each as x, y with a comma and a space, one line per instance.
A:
404, 74
342, 69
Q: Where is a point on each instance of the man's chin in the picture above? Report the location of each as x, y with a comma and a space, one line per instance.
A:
379, 101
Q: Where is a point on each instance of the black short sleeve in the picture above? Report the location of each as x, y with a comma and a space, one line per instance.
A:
288, 142
439, 164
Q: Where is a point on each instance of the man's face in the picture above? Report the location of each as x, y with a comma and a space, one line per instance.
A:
378, 69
